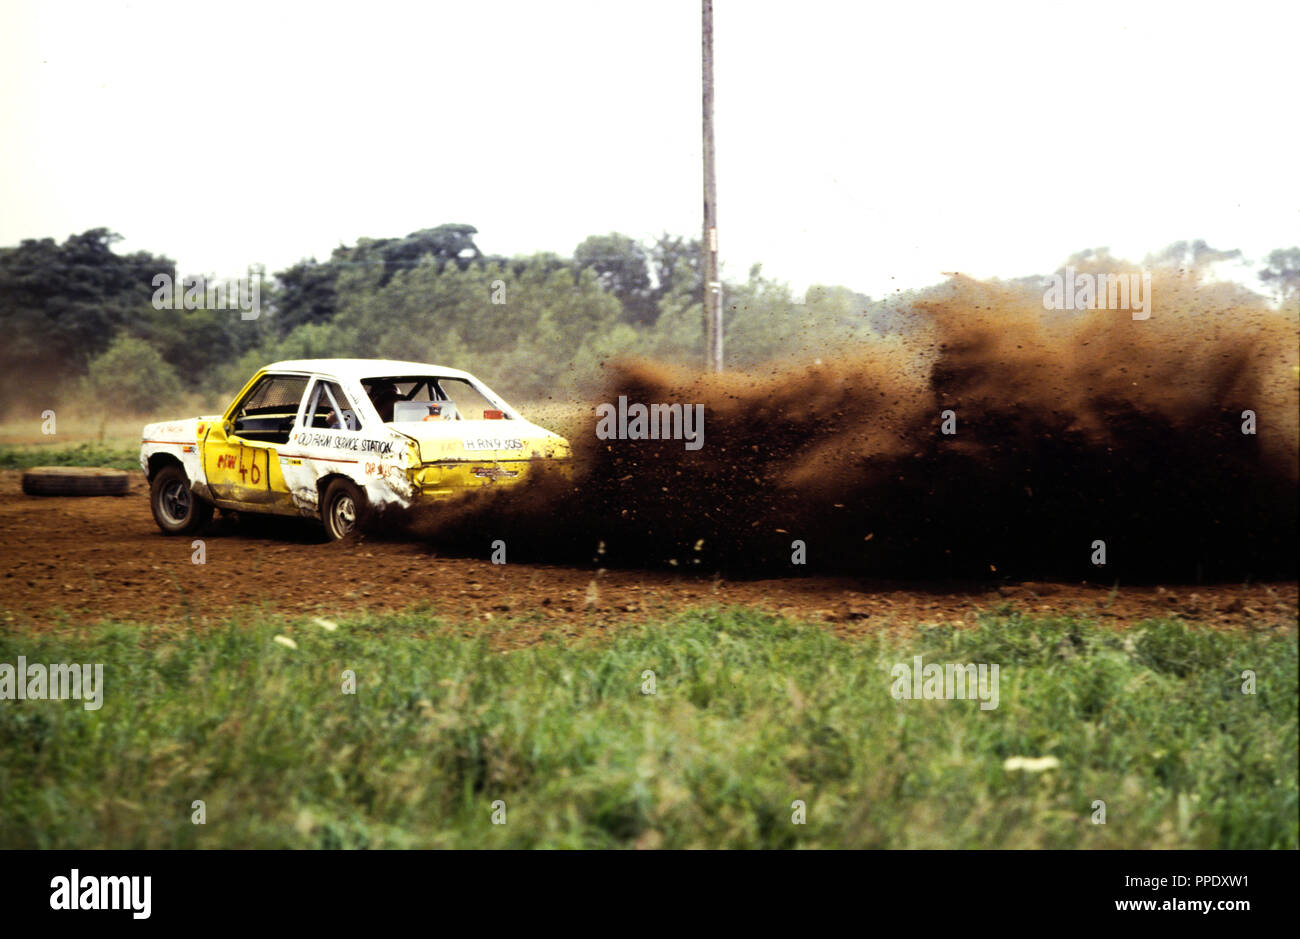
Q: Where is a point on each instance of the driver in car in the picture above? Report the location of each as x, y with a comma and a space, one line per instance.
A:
383, 396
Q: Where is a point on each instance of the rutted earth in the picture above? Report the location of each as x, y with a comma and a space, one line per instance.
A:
66, 560
1172, 443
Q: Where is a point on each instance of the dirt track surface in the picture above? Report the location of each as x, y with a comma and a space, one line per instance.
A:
69, 559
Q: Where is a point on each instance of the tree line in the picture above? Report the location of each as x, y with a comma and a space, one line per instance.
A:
80, 319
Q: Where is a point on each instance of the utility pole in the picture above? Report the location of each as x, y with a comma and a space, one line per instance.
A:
712, 280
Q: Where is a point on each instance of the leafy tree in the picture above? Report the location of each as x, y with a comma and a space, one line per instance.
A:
131, 376
308, 291
446, 243
678, 332
194, 342
61, 305
548, 262
305, 293
677, 263
1190, 255
1282, 273
535, 326
542, 324
622, 268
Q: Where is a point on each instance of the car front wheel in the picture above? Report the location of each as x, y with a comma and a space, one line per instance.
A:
343, 510
176, 509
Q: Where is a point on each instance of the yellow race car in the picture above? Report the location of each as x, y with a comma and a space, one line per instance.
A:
336, 439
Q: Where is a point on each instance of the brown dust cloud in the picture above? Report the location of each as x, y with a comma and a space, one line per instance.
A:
1071, 428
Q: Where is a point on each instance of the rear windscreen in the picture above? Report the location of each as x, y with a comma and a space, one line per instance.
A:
444, 399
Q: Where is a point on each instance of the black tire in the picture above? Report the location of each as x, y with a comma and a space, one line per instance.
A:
176, 509
75, 481
343, 510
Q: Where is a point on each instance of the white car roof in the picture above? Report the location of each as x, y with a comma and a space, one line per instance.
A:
365, 368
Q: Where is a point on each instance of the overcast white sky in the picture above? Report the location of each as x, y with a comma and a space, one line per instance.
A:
874, 145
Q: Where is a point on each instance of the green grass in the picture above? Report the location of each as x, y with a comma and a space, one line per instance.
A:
81, 454
750, 713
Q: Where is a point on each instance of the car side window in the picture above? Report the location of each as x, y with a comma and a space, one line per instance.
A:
330, 408
268, 412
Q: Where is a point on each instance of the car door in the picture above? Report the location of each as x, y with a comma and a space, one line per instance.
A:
240, 454
329, 431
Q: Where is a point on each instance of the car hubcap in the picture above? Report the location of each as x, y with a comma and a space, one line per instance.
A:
345, 515
176, 501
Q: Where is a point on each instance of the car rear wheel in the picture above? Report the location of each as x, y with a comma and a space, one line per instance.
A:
176, 509
343, 510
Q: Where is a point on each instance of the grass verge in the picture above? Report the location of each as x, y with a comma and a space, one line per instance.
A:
81, 454
749, 714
